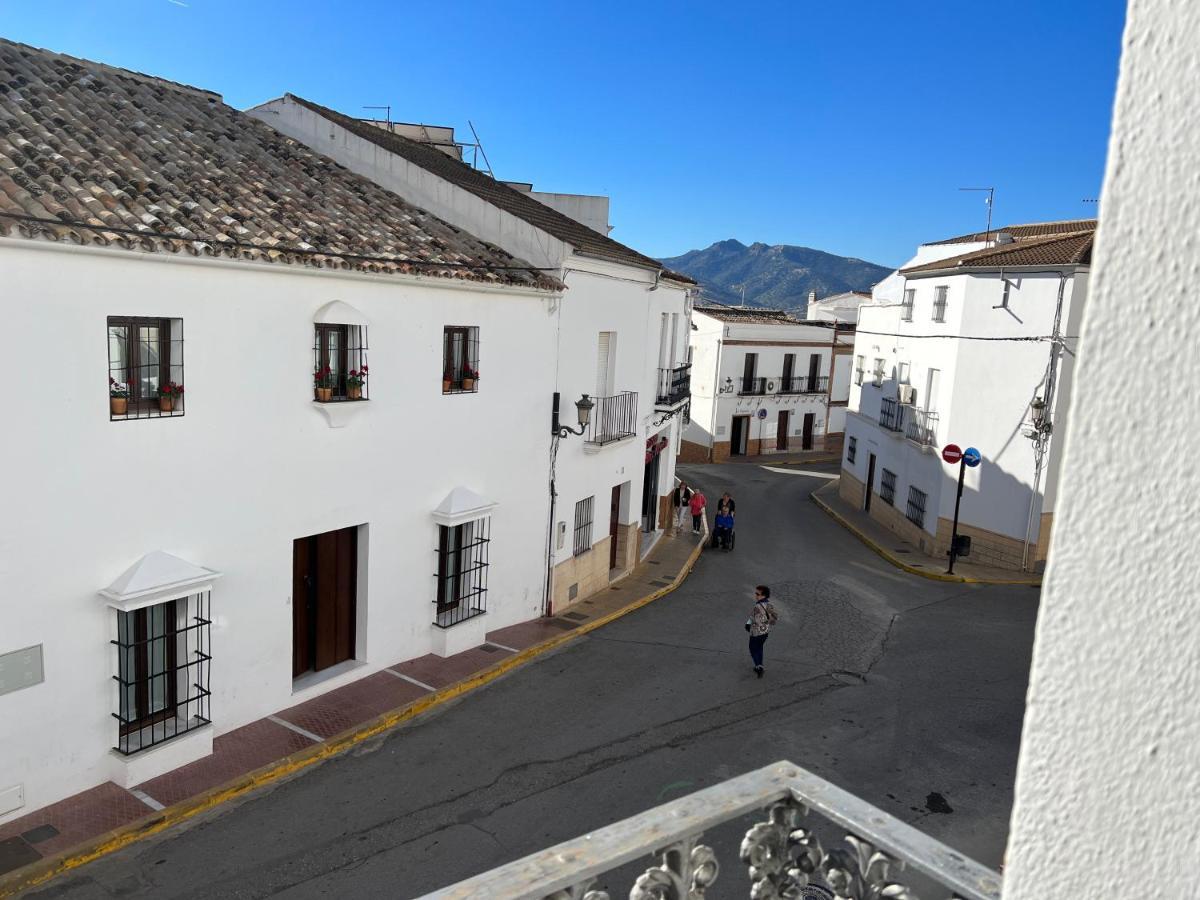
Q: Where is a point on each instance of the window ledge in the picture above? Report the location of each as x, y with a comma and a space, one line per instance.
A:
463, 635
339, 412
158, 759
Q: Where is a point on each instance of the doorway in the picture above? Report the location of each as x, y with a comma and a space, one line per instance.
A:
870, 483
614, 522
806, 439
781, 431
739, 432
324, 589
650, 495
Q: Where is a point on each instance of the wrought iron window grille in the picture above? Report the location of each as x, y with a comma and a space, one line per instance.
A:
851, 449
804, 384
462, 570
583, 525
613, 418
340, 370
460, 359
164, 663
887, 487
145, 368
939, 304
674, 385
891, 414
916, 507
906, 307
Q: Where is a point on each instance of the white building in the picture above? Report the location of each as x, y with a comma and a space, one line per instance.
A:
971, 343
761, 383
621, 335
841, 307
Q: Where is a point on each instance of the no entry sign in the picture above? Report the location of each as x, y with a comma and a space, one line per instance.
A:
952, 453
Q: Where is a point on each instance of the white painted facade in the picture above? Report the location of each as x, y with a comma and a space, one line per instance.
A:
251, 465
719, 349
841, 307
603, 296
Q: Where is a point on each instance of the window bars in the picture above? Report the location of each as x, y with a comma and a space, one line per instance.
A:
339, 363
613, 418
674, 385
164, 663
145, 367
891, 414
462, 567
887, 487
906, 307
460, 359
851, 449
939, 304
916, 507
858, 370
583, 525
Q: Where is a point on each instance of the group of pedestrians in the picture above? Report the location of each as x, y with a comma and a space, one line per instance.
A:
762, 614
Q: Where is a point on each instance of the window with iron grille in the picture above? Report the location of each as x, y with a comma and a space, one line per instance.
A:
460, 359
906, 308
916, 507
858, 370
851, 449
163, 667
339, 363
878, 373
887, 487
462, 558
583, 525
145, 367
939, 303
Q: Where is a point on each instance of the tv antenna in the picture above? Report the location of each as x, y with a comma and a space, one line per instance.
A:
479, 151
991, 196
389, 113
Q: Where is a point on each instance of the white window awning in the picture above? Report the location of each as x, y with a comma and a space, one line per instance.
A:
338, 312
156, 578
462, 505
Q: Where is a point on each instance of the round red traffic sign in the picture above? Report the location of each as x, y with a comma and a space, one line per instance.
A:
952, 453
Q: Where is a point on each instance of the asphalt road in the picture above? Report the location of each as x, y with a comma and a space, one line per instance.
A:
890, 685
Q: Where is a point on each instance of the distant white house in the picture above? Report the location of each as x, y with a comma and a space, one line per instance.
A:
841, 307
971, 343
764, 382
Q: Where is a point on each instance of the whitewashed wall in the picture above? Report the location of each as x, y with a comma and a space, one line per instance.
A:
249, 467
1108, 782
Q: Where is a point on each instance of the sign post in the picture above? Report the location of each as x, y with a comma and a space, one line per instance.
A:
952, 453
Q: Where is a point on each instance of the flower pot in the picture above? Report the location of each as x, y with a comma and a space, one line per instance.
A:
468, 384
324, 395
354, 391
166, 404
446, 385
118, 406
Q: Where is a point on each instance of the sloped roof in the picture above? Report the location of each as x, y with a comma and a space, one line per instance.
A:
91, 154
497, 193
1018, 232
1074, 248
750, 315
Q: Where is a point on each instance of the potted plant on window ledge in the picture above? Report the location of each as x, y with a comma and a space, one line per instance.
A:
118, 397
447, 380
469, 377
354, 383
167, 395
323, 382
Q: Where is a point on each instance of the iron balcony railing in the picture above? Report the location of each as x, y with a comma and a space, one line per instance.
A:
613, 418
891, 414
674, 385
804, 384
922, 427
852, 850
752, 386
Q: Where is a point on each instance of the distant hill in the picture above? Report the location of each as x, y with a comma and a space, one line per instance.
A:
779, 277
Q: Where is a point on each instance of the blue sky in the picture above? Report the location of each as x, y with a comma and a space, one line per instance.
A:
844, 126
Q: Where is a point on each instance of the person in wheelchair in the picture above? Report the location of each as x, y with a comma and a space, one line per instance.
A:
723, 528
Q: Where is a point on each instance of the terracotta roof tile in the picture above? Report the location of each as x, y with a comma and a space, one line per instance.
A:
1074, 248
91, 154
750, 315
1018, 232
497, 193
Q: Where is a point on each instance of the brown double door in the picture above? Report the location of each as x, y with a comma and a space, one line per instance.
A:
324, 585
781, 431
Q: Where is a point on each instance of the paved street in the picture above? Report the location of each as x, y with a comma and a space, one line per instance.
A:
892, 686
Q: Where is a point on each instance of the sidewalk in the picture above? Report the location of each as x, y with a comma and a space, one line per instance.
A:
892, 548
803, 458
96, 822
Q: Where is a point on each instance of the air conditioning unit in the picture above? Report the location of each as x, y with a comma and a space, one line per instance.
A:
771, 386
906, 394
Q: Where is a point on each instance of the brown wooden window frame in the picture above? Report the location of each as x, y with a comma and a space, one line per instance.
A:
141, 643
453, 373
141, 406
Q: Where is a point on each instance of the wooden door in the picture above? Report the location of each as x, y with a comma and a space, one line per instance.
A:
870, 483
737, 435
806, 440
781, 431
324, 589
614, 521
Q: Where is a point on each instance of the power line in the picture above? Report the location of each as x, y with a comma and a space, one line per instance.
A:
969, 337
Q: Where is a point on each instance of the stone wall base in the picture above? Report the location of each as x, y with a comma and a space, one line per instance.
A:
581, 576
690, 452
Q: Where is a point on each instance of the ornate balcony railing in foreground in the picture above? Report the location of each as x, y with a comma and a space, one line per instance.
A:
783, 855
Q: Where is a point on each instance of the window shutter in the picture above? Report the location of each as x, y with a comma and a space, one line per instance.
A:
602, 359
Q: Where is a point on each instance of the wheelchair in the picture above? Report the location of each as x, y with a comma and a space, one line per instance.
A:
724, 538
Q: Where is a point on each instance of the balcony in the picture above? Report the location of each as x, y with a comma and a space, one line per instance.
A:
851, 850
674, 386
922, 427
892, 414
752, 387
613, 419
804, 384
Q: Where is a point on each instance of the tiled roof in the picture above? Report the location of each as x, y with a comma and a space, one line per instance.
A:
1018, 232
91, 154
1074, 248
751, 315
497, 193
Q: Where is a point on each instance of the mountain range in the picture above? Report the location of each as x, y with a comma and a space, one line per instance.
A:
778, 276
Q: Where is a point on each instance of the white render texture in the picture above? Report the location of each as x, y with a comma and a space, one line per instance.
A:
1108, 784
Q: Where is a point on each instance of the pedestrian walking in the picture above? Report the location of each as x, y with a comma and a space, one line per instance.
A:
683, 497
697, 505
762, 617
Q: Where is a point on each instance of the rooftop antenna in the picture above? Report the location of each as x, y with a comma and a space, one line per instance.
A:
991, 195
480, 151
389, 113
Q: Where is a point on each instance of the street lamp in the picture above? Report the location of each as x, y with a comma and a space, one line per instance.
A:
583, 409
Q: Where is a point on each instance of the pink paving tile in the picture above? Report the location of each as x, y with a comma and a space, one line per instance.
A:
236, 753
78, 818
524, 635
353, 704
438, 672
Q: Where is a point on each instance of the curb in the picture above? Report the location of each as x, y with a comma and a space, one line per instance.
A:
46, 869
901, 564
